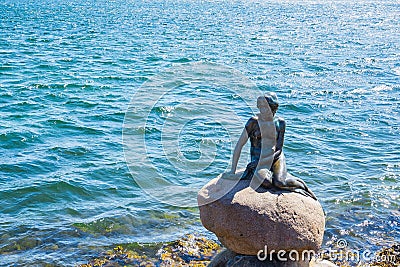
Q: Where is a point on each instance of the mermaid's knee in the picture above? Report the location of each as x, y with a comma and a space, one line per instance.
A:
279, 183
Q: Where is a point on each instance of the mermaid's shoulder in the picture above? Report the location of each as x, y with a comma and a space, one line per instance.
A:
251, 124
280, 123
252, 120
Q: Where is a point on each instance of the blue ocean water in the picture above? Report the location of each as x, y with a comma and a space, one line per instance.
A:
68, 71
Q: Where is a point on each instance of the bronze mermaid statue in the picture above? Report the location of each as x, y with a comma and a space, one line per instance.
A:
268, 165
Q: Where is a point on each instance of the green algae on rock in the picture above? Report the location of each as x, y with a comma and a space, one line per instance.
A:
189, 251
387, 257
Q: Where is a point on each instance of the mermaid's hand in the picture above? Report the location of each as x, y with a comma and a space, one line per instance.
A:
261, 176
229, 175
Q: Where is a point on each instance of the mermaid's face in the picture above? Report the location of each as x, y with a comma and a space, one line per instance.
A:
262, 105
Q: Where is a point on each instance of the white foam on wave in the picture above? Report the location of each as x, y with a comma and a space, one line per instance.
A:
397, 70
382, 88
358, 91
379, 88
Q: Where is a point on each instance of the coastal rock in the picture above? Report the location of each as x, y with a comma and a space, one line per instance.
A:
247, 220
228, 258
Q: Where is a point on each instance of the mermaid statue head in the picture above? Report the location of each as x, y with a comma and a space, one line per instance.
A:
272, 100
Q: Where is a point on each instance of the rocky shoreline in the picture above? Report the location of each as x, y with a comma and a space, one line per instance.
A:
189, 250
198, 251
244, 220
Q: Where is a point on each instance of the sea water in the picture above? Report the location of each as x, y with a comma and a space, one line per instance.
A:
69, 71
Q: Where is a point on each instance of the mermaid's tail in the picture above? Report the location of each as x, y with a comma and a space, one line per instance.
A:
295, 184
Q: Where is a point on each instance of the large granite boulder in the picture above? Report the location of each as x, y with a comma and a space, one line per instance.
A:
246, 220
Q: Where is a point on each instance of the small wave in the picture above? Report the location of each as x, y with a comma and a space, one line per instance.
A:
66, 59
35, 196
27, 166
71, 151
5, 95
81, 103
40, 86
153, 59
56, 86
139, 223
61, 124
147, 130
181, 60
114, 78
46, 67
302, 108
110, 117
56, 97
13, 140
6, 68
25, 106
164, 109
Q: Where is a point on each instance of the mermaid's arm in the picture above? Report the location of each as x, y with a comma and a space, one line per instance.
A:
281, 136
238, 149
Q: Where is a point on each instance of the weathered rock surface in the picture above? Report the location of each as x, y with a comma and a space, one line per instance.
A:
228, 258
246, 220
